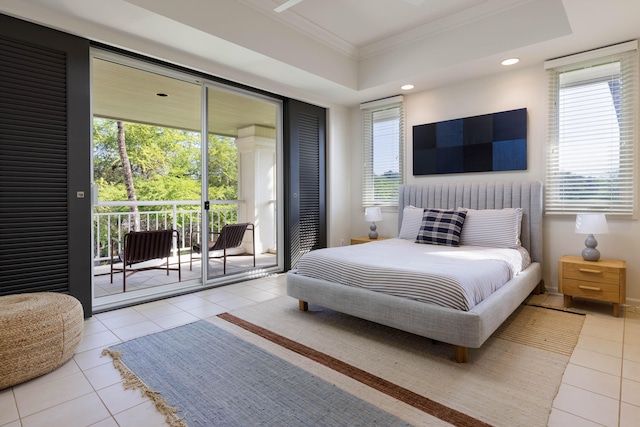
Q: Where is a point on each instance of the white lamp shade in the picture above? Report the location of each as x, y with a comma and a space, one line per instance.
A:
373, 214
591, 224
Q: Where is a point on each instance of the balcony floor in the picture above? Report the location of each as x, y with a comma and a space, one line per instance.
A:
151, 278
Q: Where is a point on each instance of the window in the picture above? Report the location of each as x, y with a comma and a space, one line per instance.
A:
383, 137
592, 132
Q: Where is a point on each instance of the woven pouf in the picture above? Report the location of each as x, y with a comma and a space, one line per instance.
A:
38, 333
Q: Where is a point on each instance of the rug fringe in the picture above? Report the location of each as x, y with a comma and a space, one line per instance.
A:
131, 381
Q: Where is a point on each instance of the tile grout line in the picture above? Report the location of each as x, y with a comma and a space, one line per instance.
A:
624, 326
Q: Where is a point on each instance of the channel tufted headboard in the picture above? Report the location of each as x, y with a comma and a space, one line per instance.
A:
484, 195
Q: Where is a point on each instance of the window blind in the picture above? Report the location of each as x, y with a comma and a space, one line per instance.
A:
592, 133
383, 148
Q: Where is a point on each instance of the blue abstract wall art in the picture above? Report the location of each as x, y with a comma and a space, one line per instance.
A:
490, 142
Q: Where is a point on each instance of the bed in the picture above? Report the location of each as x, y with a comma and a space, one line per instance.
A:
463, 328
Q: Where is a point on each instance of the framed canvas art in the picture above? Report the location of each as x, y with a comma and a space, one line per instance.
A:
490, 142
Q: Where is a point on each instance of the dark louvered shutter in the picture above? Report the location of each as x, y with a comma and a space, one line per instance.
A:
305, 196
33, 177
42, 120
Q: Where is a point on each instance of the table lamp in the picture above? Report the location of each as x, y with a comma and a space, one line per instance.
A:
591, 224
372, 215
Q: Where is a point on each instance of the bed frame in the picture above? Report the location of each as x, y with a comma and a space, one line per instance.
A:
462, 329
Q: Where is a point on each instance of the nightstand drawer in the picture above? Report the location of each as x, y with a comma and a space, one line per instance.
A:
591, 273
594, 290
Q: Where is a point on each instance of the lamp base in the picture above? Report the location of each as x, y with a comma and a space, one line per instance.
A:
590, 253
373, 234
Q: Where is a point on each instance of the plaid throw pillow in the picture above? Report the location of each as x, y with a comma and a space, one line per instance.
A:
441, 227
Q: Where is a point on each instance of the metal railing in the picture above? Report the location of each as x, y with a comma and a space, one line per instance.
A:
111, 222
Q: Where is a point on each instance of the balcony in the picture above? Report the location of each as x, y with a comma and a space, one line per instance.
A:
112, 220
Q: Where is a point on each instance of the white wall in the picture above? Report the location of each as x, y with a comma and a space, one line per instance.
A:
339, 142
520, 88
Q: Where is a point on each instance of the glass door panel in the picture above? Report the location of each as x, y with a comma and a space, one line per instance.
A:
241, 182
146, 171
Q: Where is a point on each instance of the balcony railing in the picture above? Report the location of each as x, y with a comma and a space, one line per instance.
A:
111, 221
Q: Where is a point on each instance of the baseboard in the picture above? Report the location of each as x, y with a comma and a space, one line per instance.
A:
632, 302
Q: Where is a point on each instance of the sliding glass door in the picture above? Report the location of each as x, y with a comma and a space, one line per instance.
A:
175, 151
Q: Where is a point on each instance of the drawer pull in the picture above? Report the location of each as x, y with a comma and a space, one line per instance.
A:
586, 270
589, 288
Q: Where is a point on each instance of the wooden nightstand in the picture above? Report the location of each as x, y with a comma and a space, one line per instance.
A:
365, 239
603, 280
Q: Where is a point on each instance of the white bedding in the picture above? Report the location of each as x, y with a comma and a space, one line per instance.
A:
456, 277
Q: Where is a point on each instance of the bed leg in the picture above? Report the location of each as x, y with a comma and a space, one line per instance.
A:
303, 305
540, 288
461, 353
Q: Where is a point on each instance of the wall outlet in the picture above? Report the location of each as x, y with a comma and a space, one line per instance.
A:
341, 242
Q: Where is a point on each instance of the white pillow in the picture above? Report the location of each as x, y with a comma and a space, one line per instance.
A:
411, 222
498, 228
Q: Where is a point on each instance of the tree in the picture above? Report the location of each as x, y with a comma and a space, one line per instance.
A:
165, 163
128, 175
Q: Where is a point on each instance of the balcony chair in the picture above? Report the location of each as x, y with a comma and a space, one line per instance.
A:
141, 246
229, 237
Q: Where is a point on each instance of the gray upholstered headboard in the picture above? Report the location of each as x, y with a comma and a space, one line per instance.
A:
484, 195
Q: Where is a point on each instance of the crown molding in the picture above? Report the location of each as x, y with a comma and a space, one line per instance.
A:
439, 26
304, 26
426, 31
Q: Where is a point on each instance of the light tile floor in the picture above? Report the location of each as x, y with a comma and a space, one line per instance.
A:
601, 385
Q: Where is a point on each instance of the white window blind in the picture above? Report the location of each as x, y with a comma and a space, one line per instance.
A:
592, 132
383, 138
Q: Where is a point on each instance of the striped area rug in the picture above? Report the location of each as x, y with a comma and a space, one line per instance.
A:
544, 328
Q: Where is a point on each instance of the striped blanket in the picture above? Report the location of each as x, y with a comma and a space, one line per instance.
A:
455, 277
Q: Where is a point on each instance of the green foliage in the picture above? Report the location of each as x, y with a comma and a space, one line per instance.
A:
110, 192
386, 186
168, 188
223, 180
166, 163
106, 161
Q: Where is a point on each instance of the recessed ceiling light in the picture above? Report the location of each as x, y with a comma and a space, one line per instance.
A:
161, 94
406, 87
510, 61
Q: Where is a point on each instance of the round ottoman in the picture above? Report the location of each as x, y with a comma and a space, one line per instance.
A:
38, 333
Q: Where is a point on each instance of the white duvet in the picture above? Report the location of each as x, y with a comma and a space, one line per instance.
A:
456, 277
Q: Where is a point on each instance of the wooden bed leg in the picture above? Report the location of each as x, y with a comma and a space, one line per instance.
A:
461, 353
540, 288
303, 305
